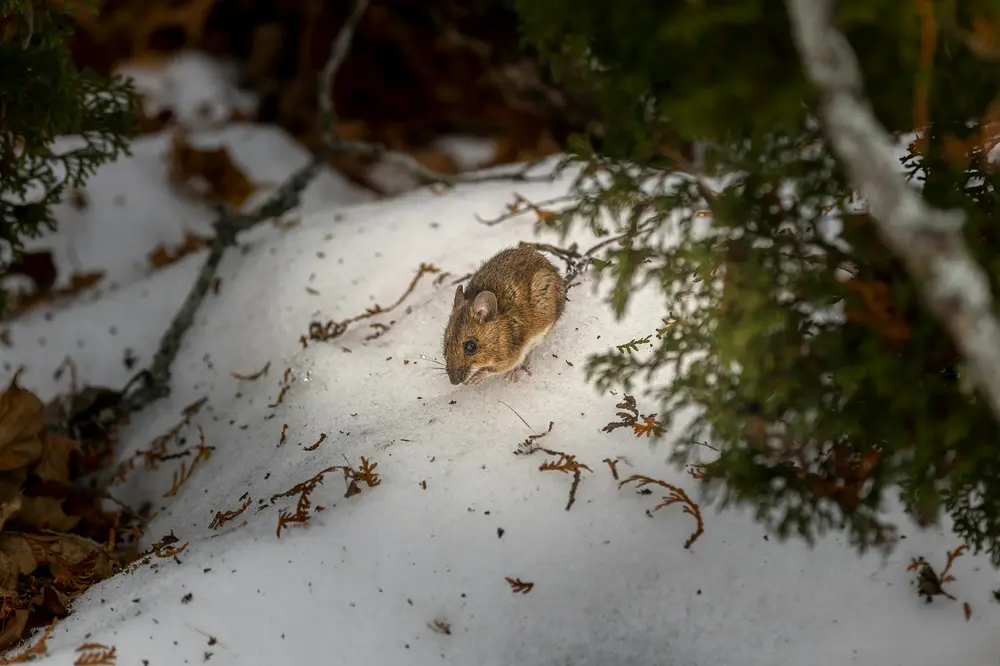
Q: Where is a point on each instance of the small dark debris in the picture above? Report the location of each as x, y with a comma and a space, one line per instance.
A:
500, 532
186, 599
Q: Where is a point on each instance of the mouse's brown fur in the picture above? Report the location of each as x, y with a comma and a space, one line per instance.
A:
508, 307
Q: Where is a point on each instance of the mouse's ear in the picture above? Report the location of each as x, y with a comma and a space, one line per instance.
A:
485, 305
459, 298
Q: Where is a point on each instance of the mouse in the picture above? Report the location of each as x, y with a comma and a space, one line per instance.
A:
505, 311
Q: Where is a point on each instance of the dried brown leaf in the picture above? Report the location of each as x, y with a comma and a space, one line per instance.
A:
45, 513
209, 174
53, 465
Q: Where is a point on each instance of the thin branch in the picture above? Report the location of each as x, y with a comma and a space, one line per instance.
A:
156, 377
928, 241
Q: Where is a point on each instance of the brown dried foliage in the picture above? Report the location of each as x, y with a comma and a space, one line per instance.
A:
30, 653
95, 654
286, 383
353, 477
255, 376
876, 310
55, 539
518, 586
163, 255
649, 426
39, 267
208, 175
628, 415
180, 476
613, 466
165, 548
676, 495
323, 332
313, 447
566, 463
223, 517
158, 449
929, 582
413, 71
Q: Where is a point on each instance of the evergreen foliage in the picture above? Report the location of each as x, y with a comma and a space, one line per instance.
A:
825, 393
44, 96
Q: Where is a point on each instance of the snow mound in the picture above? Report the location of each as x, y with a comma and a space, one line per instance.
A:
414, 570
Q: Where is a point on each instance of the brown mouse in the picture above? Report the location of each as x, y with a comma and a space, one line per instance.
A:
508, 307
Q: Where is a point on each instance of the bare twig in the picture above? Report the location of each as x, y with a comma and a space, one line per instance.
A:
929, 241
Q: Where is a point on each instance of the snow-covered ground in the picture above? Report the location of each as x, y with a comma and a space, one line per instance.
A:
378, 577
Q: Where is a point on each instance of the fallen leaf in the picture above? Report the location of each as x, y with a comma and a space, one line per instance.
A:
164, 256
21, 422
53, 464
45, 513
208, 174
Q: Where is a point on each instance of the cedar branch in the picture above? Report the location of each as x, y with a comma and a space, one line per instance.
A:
928, 241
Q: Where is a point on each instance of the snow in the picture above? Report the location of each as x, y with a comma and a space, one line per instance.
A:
364, 581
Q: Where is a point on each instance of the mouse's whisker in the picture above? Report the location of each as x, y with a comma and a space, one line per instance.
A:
432, 360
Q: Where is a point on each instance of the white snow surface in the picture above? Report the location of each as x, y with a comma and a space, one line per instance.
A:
364, 581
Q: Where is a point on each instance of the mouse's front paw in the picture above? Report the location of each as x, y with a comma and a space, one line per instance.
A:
514, 375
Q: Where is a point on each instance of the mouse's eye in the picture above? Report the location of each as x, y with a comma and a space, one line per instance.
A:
470, 347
